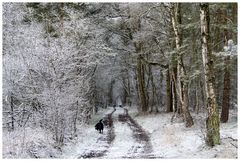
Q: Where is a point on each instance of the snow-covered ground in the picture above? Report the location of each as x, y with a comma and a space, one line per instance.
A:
39, 143
124, 144
28, 143
174, 140
167, 140
88, 139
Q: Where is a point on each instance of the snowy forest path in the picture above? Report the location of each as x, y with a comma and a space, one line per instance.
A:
142, 147
124, 138
104, 141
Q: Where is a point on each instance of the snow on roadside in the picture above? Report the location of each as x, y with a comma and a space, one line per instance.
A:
39, 143
29, 143
87, 139
174, 140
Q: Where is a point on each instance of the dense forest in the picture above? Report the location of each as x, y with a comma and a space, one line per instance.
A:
66, 65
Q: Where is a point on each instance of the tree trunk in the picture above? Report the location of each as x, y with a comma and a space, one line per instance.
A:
152, 105
174, 76
159, 97
169, 93
182, 89
129, 93
110, 99
197, 98
173, 88
141, 85
226, 93
186, 113
125, 92
212, 122
234, 19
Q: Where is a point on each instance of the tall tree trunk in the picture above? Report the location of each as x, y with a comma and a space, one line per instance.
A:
226, 93
154, 94
159, 97
176, 107
169, 93
110, 94
152, 105
234, 19
141, 85
212, 122
182, 87
129, 101
187, 115
173, 79
125, 92
137, 88
147, 86
196, 100
174, 94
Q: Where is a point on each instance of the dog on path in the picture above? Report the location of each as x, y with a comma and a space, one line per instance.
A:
99, 126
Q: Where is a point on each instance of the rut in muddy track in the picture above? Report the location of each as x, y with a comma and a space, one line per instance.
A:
103, 140
143, 147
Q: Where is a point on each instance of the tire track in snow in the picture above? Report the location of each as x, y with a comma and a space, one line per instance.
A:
123, 140
143, 147
104, 141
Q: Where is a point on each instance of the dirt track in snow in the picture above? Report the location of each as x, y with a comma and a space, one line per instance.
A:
104, 140
142, 147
